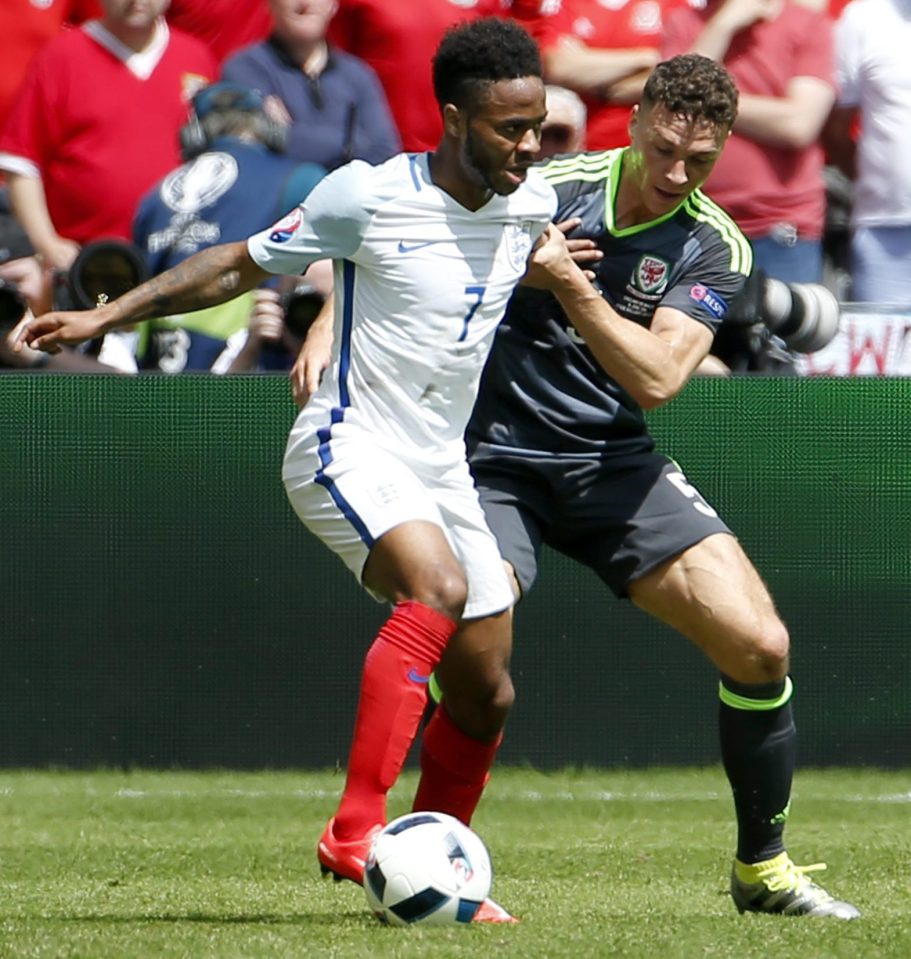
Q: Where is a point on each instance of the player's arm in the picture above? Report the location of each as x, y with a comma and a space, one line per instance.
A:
582, 249
212, 276
652, 364
314, 356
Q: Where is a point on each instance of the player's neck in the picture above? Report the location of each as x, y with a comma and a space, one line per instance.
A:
448, 174
631, 207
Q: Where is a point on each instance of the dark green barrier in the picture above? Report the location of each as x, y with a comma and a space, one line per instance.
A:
163, 606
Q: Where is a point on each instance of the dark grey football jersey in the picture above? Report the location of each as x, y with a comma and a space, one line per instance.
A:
542, 390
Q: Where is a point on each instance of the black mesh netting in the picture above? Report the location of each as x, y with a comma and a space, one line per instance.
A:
164, 607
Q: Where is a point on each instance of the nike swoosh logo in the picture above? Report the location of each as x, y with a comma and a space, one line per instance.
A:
416, 677
411, 247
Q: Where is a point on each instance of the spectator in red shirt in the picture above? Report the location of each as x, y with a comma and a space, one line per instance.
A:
602, 51
398, 39
26, 27
223, 25
770, 177
96, 124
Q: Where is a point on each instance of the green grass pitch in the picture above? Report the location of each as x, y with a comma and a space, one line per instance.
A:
597, 863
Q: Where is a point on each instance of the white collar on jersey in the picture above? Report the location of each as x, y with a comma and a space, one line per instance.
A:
140, 64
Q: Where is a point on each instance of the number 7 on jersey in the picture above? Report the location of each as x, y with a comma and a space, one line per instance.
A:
478, 293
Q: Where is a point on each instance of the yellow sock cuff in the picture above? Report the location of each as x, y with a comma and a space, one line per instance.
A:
736, 701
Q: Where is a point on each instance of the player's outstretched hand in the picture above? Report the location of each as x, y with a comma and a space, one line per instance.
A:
53, 330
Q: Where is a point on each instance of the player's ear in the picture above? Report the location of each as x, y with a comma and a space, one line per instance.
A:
633, 120
455, 121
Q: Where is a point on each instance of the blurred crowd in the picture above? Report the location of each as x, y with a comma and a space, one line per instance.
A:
134, 133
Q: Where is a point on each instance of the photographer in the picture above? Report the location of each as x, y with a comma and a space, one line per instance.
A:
278, 324
769, 323
26, 290
22, 281
236, 180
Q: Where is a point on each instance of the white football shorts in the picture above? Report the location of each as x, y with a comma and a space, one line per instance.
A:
363, 490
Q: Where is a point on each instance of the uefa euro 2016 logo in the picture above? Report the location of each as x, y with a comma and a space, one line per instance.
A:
286, 226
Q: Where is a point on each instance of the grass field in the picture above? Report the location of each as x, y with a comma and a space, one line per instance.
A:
601, 864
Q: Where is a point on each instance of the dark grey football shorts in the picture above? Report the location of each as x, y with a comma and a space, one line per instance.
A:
621, 517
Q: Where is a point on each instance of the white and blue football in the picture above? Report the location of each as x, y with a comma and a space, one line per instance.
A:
427, 868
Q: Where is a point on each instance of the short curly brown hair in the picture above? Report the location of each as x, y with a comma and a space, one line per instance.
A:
695, 87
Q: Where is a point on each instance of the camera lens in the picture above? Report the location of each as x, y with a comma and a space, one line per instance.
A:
301, 306
107, 268
12, 305
805, 315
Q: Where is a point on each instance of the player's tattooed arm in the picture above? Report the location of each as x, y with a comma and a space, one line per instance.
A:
213, 276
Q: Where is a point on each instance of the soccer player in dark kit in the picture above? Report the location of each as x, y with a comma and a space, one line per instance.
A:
561, 453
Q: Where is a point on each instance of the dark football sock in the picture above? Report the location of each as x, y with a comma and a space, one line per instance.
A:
758, 750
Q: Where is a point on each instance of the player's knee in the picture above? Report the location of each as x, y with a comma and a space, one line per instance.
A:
502, 698
769, 656
481, 709
445, 590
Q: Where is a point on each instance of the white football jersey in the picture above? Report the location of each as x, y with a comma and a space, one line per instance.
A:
421, 283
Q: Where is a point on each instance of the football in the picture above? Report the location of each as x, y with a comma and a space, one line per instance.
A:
427, 868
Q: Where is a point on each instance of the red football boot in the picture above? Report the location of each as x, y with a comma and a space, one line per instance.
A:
490, 911
344, 859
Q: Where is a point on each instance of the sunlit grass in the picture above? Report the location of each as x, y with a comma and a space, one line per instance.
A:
601, 864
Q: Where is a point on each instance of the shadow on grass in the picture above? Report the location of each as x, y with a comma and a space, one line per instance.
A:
266, 919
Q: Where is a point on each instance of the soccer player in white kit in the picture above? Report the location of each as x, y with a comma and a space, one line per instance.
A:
427, 250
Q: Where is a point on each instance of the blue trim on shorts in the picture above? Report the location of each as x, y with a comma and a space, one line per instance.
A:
326, 457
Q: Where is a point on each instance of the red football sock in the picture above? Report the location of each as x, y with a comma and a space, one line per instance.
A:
454, 768
392, 700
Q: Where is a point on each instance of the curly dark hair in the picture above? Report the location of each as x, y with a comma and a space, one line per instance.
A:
474, 55
695, 87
